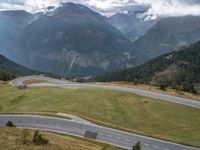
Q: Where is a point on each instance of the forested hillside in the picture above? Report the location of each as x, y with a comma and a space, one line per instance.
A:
10, 70
167, 35
179, 69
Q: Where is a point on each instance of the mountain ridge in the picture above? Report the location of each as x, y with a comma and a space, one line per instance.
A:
181, 67
167, 35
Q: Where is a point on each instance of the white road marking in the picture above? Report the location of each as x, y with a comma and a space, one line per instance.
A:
127, 140
155, 146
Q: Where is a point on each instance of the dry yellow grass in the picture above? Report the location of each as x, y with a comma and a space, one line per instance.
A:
168, 91
10, 139
2, 82
27, 82
138, 114
139, 86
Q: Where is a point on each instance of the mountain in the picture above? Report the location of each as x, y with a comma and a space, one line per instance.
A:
9, 35
9, 69
12, 24
73, 40
176, 68
130, 24
167, 35
20, 18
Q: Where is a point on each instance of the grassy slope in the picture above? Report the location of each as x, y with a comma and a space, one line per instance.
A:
152, 88
10, 139
146, 87
130, 112
27, 82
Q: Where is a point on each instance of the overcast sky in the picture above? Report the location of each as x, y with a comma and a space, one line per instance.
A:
156, 7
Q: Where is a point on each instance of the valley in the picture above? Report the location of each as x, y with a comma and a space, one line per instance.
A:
110, 108
99, 75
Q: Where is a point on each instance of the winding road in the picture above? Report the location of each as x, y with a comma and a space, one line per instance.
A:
92, 131
65, 84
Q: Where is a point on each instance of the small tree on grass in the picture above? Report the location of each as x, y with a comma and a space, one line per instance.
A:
10, 124
129, 79
38, 139
135, 82
137, 146
104, 148
163, 87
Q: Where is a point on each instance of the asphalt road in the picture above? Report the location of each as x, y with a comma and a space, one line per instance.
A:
93, 132
65, 84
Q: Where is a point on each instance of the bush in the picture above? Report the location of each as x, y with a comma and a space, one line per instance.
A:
179, 87
10, 124
135, 82
38, 139
188, 87
163, 87
104, 148
137, 146
129, 78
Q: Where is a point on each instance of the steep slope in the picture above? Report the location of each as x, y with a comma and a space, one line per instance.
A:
130, 24
166, 35
20, 18
9, 69
73, 41
12, 24
179, 67
9, 35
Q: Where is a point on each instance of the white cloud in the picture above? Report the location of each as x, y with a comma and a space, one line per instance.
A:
9, 6
161, 8
107, 4
166, 8
40, 5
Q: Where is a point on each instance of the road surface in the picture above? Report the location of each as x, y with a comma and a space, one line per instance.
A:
65, 84
93, 132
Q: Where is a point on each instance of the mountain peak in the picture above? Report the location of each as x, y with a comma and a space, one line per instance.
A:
18, 13
72, 6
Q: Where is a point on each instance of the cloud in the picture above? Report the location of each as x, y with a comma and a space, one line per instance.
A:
156, 8
28, 5
166, 8
109, 7
40, 5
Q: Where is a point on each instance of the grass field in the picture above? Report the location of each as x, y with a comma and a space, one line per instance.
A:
130, 112
11, 139
168, 91
27, 82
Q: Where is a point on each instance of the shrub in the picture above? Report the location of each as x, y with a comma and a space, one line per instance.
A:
162, 87
135, 82
137, 146
179, 87
129, 78
188, 87
10, 124
38, 139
